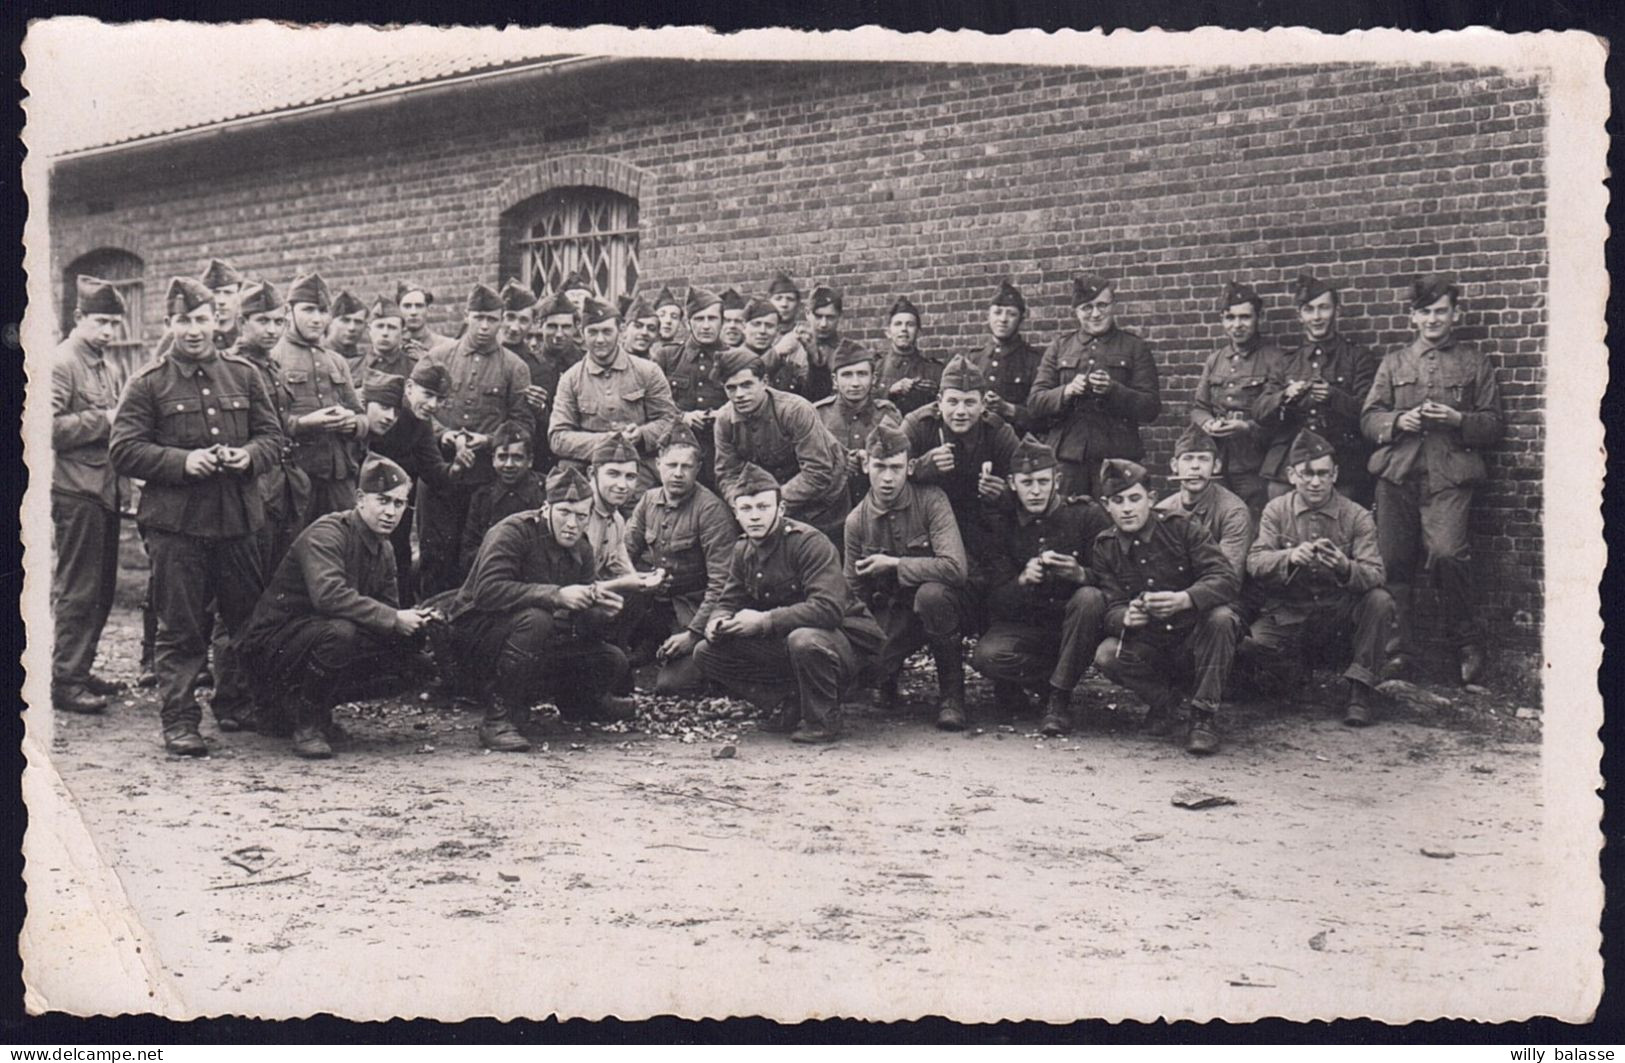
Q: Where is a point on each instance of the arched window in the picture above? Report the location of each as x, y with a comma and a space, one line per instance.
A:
564, 229
125, 271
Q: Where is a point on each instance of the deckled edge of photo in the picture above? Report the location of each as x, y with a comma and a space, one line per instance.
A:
101, 924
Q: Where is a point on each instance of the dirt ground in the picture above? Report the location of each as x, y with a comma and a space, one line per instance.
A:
1391, 871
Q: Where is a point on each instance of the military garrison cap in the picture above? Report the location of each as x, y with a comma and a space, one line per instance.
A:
259, 297
484, 299
380, 474
1307, 288
782, 284
736, 360
516, 297
1009, 295
93, 295
309, 288
345, 304
554, 305
218, 275
904, 305
759, 307
962, 374
679, 435
510, 432
885, 440
752, 480
405, 288
1032, 456
851, 354
386, 390
186, 295
612, 449
638, 310
1085, 289
1236, 293
700, 298
384, 306
595, 310
578, 281
732, 300
1195, 441
1427, 290
823, 296
566, 484
1118, 475
1306, 447
432, 377
667, 298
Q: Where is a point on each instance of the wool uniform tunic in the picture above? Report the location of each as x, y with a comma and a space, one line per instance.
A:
547, 368
786, 437
1010, 367
492, 502
851, 425
989, 442
410, 443
1221, 513
924, 369
285, 486
1348, 370
1085, 429
595, 401
1229, 389
399, 362
318, 378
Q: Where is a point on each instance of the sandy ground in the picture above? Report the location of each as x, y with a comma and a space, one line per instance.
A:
901, 872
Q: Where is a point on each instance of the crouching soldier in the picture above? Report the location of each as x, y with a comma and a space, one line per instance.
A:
1169, 597
1317, 563
1215, 508
530, 610
1044, 607
905, 558
785, 627
685, 530
329, 615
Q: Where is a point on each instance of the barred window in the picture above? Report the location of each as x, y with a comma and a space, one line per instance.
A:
564, 229
124, 271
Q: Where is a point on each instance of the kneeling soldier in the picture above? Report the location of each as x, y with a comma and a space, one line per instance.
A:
329, 613
905, 558
1218, 510
1169, 598
785, 617
1044, 607
530, 608
1317, 563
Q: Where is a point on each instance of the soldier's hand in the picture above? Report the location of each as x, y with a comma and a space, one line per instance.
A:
478, 440
854, 462
750, 623
679, 645
236, 459
876, 565
536, 397
1331, 556
1410, 420
901, 387
1064, 566
630, 434
410, 621
1078, 385
716, 626
1136, 616
607, 602
1032, 573
464, 458
1438, 413
696, 418
1303, 554
576, 597
1218, 427
1319, 391
1100, 381
1163, 604
202, 462
655, 578
941, 457
1294, 388
989, 487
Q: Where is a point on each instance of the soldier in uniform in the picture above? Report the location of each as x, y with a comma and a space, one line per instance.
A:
518, 314
829, 345
487, 387
1228, 393
1044, 606
1434, 404
684, 530
223, 282
330, 615
1317, 564
692, 368
1169, 607
787, 372
324, 422
385, 336
531, 609
517, 486
1211, 505
610, 393
853, 411
786, 629
578, 288
904, 558
641, 327
1007, 360
908, 376
197, 426
85, 388
344, 334
793, 351
669, 309
413, 444
781, 433
419, 340
558, 323
1095, 388
733, 319
284, 487
1319, 385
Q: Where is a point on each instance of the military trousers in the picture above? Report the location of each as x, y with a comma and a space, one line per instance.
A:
189, 575
1417, 525
1150, 660
1287, 637
82, 583
817, 664
914, 617
663, 618
1038, 643
323, 658
442, 509
531, 654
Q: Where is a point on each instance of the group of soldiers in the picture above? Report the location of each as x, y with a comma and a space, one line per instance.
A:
731, 490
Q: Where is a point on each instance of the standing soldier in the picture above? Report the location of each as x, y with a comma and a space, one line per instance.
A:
610, 393
685, 530
1228, 393
197, 427
794, 351
1215, 508
284, 487
330, 615
829, 344
905, 559
1043, 602
85, 388
487, 387
223, 282
1095, 388
786, 372
413, 443
1433, 406
559, 323
578, 288
414, 301
908, 377
669, 309
853, 411
324, 425
1319, 385
641, 326
786, 628
344, 334
517, 486
1317, 564
385, 333
781, 433
1007, 360
692, 368
733, 319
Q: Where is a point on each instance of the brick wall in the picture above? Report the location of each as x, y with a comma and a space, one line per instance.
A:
936, 181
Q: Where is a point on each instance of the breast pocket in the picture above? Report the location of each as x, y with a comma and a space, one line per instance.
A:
1456, 382
918, 546
234, 417
182, 424
1407, 389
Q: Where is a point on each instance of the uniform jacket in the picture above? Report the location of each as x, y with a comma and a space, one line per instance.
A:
786, 437
1169, 554
412, 444
1065, 527
1348, 370
900, 365
175, 405
851, 425
919, 529
594, 401
794, 575
337, 569
1085, 429
546, 370
1010, 367
693, 372
284, 487
493, 501
692, 540
487, 388
606, 533
1456, 374
85, 384
1230, 387
1223, 515
990, 440
399, 362
521, 566
1288, 521
317, 378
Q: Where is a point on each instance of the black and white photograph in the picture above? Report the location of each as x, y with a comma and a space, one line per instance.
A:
608, 522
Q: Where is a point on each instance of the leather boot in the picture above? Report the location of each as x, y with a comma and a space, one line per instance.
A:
886, 697
308, 740
497, 730
948, 654
1398, 660
76, 699
183, 740
1357, 710
1161, 719
1058, 715
1203, 736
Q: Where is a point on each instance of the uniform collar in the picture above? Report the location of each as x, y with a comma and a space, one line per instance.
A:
371, 541
904, 500
620, 364
1422, 346
660, 498
1024, 517
1300, 507
1249, 350
377, 357
188, 366
89, 352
